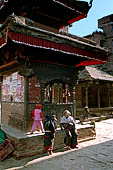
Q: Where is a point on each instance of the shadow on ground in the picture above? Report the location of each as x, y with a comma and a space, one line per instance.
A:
98, 154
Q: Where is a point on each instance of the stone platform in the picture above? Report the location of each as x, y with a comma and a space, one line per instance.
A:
29, 145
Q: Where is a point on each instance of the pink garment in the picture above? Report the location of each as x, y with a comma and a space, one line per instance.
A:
37, 123
37, 114
37, 120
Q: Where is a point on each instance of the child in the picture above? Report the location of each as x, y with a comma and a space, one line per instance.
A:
67, 122
37, 115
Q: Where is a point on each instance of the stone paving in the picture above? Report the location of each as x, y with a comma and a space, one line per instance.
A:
95, 154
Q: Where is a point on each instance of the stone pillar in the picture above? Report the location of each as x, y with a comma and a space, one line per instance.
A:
26, 72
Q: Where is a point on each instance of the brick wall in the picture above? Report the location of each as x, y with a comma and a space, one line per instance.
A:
13, 114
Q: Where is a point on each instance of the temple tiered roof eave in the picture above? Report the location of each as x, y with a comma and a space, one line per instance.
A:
73, 51
54, 13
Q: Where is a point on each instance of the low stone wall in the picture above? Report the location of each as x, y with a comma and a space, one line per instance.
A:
30, 145
96, 111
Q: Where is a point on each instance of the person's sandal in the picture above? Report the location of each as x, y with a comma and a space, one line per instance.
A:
31, 133
50, 152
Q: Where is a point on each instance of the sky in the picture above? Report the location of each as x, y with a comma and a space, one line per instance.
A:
99, 9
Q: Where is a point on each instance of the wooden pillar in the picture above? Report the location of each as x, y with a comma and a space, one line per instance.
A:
109, 102
58, 91
26, 101
42, 92
1, 81
99, 96
52, 93
66, 92
74, 101
86, 96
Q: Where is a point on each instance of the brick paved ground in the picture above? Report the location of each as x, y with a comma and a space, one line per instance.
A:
92, 155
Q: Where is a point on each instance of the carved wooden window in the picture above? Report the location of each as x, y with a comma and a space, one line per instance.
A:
57, 93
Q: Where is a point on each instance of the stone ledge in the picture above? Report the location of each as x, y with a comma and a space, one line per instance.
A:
30, 145
100, 118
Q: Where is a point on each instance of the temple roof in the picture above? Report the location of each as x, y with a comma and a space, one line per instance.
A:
93, 73
54, 13
63, 49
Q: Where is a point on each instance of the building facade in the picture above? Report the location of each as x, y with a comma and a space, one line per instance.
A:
99, 91
104, 38
39, 64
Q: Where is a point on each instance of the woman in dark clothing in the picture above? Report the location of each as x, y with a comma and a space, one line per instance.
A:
50, 128
70, 139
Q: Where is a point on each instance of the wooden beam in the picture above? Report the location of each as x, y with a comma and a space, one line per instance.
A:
8, 64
